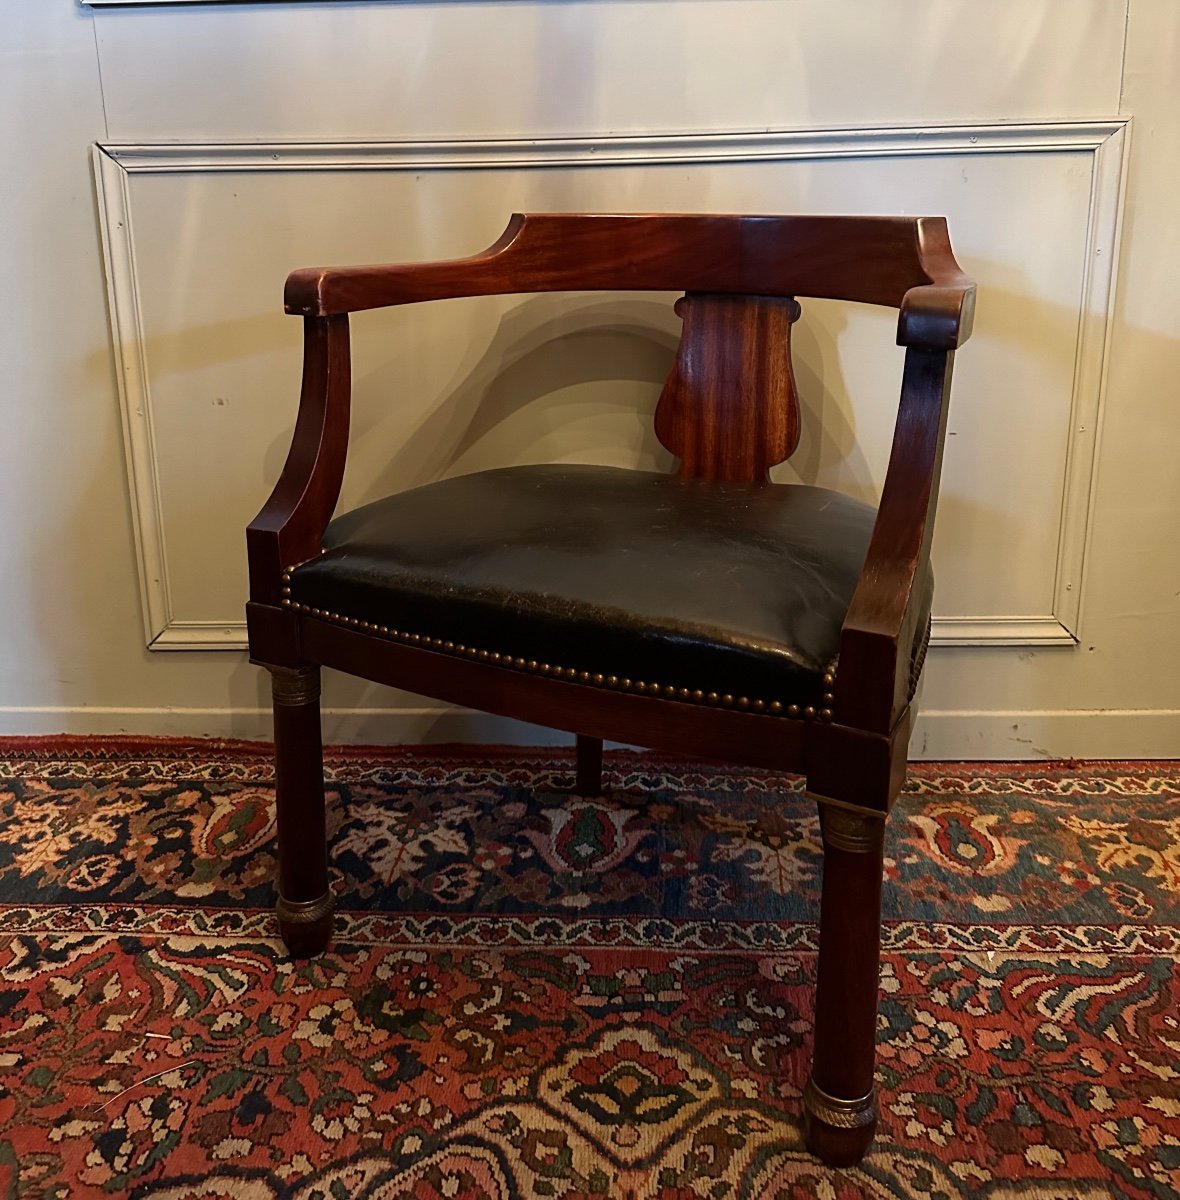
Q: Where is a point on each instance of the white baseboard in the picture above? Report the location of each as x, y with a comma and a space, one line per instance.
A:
1103, 733
341, 726
954, 735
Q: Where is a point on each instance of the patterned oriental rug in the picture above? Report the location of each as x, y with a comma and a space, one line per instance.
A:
531, 994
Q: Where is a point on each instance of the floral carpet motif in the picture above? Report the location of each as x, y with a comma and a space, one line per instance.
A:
531, 994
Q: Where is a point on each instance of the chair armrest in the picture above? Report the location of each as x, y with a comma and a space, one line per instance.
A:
937, 315
881, 625
320, 291
291, 524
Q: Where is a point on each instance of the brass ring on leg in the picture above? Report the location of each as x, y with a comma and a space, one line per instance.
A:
838, 1131
306, 925
842, 1114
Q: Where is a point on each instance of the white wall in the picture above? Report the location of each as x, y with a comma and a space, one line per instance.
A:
69, 579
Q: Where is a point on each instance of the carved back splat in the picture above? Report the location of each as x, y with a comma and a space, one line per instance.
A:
729, 409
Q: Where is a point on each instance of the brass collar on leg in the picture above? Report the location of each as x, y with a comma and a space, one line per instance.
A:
305, 912
294, 687
840, 1114
849, 827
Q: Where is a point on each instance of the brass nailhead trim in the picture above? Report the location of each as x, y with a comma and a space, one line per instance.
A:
685, 695
919, 658
828, 699
841, 1114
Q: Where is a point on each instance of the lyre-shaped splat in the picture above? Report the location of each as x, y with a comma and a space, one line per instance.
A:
729, 409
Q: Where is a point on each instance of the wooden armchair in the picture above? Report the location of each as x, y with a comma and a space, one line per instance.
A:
709, 614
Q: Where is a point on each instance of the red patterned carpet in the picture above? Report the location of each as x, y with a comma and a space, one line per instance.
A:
535, 995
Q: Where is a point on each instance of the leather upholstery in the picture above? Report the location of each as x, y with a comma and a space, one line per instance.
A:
737, 588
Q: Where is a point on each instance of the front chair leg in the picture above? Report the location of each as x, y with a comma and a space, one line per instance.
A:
839, 1102
305, 904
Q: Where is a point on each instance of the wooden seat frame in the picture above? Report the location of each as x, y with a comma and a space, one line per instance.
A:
736, 272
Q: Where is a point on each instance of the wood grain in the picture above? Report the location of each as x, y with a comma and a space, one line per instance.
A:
903, 262
730, 409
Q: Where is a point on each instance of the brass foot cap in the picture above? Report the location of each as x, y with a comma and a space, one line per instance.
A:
305, 925
838, 1131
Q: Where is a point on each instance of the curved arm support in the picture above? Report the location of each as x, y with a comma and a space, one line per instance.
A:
291, 524
903, 262
316, 291
882, 620
938, 314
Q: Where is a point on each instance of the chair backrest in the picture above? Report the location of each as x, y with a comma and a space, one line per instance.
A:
875, 260
729, 408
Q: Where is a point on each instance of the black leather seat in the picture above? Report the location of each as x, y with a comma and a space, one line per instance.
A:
732, 593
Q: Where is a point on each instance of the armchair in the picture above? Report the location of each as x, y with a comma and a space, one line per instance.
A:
710, 613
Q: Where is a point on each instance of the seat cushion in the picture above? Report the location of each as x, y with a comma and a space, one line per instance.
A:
733, 589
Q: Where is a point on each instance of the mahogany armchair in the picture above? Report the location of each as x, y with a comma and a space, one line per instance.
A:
711, 613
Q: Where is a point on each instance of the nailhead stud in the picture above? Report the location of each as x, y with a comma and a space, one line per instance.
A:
695, 695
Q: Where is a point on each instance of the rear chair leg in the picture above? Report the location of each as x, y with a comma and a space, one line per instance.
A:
305, 904
839, 1102
589, 777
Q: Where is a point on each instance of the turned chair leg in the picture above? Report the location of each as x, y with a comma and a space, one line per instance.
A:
589, 777
304, 904
839, 1102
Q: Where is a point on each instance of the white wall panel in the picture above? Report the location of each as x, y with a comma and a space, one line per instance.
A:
542, 68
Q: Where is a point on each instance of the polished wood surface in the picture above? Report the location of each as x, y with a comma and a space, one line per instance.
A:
882, 622
719, 417
289, 527
846, 991
729, 411
305, 902
903, 262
